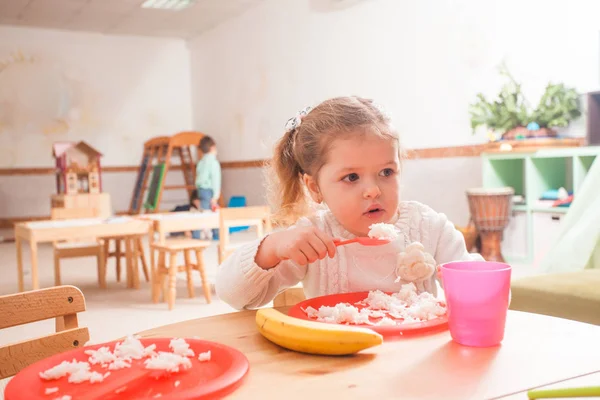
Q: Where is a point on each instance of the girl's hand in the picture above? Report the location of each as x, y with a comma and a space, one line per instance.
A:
302, 245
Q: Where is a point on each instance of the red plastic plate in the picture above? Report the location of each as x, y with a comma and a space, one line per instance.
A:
400, 329
208, 379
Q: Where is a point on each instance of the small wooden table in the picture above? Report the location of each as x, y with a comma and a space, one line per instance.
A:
52, 230
537, 351
163, 223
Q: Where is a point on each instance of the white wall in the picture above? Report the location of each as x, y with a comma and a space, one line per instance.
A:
114, 92
423, 60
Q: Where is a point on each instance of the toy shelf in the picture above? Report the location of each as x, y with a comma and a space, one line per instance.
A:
533, 226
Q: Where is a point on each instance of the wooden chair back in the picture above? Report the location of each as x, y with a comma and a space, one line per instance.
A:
259, 216
60, 302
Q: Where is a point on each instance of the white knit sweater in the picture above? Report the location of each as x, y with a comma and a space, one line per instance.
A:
243, 284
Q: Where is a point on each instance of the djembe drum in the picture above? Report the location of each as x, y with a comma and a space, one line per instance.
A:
490, 211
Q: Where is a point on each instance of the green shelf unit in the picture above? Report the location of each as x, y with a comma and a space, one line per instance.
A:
530, 174
581, 166
508, 172
549, 173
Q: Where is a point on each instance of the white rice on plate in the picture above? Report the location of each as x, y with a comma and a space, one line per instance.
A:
204, 356
406, 306
181, 347
124, 353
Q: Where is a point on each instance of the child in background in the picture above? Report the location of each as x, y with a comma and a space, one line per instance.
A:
208, 177
194, 204
346, 156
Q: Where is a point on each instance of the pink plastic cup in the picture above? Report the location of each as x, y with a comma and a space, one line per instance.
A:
477, 295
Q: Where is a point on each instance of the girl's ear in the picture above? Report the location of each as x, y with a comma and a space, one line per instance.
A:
313, 188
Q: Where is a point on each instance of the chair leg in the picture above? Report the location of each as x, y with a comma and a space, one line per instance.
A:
143, 259
118, 258
157, 280
205, 284
172, 280
188, 273
135, 271
56, 269
163, 281
101, 266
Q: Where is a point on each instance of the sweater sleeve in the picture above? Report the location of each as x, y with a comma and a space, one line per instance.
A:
448, 242
242, 284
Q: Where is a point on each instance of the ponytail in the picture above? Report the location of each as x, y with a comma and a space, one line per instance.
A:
287, 189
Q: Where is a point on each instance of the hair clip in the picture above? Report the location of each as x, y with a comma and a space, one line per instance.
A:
294, 122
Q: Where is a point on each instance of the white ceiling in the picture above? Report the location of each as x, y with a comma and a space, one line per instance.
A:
121, 16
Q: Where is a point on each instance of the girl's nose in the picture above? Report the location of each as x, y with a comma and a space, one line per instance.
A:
372, 192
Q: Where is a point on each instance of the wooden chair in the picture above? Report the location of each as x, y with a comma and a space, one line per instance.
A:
259, 216
172, 247
62, 303
119, 252
289, 297
80, 248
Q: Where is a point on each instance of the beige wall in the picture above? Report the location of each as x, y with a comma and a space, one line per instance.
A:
114, 92
423, 60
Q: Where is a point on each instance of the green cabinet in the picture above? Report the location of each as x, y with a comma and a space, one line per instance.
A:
533, 226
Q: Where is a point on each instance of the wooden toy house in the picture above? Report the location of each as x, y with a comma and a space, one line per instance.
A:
78, 168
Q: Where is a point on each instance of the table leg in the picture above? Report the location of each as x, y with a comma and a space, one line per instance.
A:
150, 241
172, 280
20, 264
140, 249
135, 270
34, 265
128, 262
118, 258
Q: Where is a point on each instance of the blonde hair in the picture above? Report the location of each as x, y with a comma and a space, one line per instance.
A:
303, 149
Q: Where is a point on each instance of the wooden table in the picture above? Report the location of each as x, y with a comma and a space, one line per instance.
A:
592, 379
537, 350
163, 223
52, 230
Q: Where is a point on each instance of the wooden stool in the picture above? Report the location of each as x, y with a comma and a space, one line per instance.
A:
172, 247
137, 248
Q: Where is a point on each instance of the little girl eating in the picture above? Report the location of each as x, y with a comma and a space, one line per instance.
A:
336, 174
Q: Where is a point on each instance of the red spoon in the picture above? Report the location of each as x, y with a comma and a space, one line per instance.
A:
365, 241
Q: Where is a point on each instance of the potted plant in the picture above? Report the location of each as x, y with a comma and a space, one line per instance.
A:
509, 117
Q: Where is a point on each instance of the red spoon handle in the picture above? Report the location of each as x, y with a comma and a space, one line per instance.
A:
339, 242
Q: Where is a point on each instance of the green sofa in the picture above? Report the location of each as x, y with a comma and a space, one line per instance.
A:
570, 295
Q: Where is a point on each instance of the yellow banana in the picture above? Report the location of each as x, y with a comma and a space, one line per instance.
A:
314, 337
